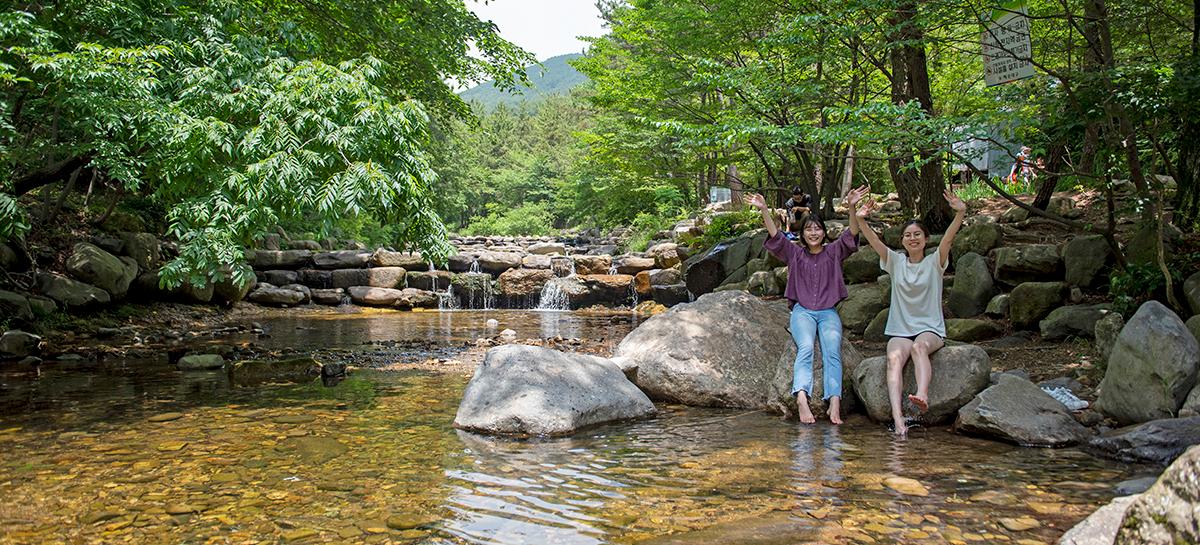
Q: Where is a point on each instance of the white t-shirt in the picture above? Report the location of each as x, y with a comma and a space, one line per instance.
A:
916, 305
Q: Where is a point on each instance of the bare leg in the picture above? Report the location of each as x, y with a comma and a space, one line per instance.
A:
806, 415
922, 348
898, 350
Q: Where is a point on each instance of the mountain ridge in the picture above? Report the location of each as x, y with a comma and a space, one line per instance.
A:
555, 76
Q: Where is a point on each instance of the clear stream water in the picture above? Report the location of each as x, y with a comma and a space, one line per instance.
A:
137, 452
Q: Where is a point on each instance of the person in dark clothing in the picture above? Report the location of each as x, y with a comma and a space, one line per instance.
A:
795, 208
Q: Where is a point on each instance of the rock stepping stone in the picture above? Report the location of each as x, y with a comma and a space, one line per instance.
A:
165, 417
172, 446
1020, 524
906, 486
294, 419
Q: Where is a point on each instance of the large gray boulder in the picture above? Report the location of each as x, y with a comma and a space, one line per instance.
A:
498, 262
1018, 411
15, 305
344, 259
347, 278
70, 293
704, 272
1032, 301
979, 238
970, 330
763, 283
266, 294
1169, 512
19, 344
1105, 332
1034, 262
861, 266
1100, 528
286, 259
415, 298
386, 277
279, 277
670, 294
144, 248
229, 290
1191, 292
862, 303
973, 286
1156, 441
959, 373
1073, 321
784, 402
406, 260
92, 265
1152, 368
1087, 260
722, 350
529, 390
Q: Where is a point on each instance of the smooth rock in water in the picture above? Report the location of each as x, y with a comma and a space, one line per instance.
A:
861, 305
15, 305
313, 448
165, 417
970, 330
508, 333
973, 286
1169, 512
375, 297
1100, 528
528, 390
250, 372
723, 350
493, 323
1153, 366
906, 486
270, 295
201, 362
70, 293
1134, 486
1017, 410
1019, 264
959, 373
344, 259
1073, 321
415, 298
1032, 301
1087, 260
1157, 441
20, 344
90, 264
523, 283
784, 402
328, 297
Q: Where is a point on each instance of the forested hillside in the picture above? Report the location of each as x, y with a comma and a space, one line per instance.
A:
554, 76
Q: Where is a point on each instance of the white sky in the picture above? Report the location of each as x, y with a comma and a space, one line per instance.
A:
546, 28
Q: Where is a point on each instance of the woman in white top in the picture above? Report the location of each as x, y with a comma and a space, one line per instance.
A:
916, 325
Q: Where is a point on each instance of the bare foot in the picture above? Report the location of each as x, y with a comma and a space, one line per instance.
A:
835, 410
806, 415
920, 402
901, 429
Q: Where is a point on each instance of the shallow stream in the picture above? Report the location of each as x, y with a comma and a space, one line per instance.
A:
136, 452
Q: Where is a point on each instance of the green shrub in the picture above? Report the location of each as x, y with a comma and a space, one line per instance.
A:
1139, 283
726, 226
529, 219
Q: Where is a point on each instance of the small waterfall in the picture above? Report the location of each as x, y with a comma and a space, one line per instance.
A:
612, 269
447, 300
475, 266
553, 296
479, 294
633, 296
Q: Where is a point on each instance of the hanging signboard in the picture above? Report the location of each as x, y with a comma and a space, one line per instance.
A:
1007, 51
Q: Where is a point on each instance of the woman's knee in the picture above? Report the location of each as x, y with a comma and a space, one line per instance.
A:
896, 360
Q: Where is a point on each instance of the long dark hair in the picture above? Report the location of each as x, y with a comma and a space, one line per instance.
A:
813, 217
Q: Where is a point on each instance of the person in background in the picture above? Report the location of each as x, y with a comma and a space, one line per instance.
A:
815, 284
1022, 169
916, 327
795, 208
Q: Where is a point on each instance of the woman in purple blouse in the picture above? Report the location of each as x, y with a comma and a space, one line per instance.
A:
814, 286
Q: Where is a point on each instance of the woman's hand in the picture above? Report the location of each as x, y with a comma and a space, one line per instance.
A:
956, 203
855, 195
755, 200
865, 210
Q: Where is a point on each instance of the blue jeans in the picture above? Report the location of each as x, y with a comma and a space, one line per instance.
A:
807, 326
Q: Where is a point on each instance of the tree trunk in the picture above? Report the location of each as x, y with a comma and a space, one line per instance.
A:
920, 190
1049, 177
1187, 196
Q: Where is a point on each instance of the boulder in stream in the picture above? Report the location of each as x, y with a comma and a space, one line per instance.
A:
959, 373
1017, 410
1169, 512
1153, 366
253, 372
529, 390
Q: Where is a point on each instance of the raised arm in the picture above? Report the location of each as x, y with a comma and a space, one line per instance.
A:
860, 213
852, 199
757, 201
960, 210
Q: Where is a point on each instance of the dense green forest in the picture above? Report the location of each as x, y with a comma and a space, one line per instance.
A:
336, 118
553, 76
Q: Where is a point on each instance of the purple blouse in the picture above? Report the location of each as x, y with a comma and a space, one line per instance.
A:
814, 280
